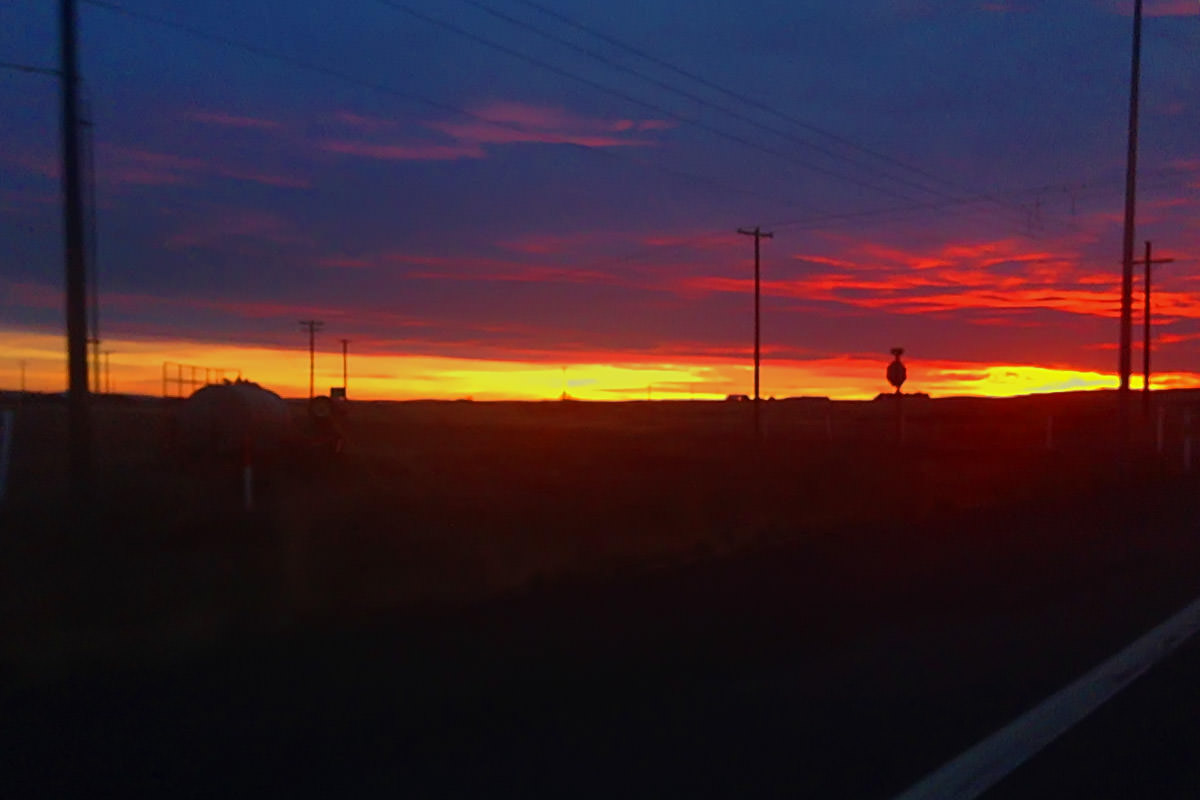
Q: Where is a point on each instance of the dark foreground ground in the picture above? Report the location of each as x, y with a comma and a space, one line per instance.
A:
618, 614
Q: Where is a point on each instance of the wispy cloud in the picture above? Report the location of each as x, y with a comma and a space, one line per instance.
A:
129, 165
506, 122
404, 152
492, 124
119, 166
1000, 275
1158, 8
706, 241
227, 120
237, 224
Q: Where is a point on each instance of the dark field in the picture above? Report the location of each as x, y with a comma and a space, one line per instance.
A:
568, 598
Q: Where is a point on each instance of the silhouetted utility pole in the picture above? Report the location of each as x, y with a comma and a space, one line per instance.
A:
1125, 359
88, 172
758, 237
79, 417
344, 386
313, 326
1148, 261
94, 344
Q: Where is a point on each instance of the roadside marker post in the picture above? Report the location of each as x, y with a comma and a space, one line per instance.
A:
247, 474
6, 437
1187, 440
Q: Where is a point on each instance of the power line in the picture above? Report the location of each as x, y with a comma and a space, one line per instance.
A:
692, 96
707, 181
349, 79
439, 105
500, 47
1075, 191
696, 98
15, 67
640, 53
733, 137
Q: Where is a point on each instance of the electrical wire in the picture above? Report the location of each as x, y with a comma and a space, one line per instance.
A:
413, 97
693, 97
743, 98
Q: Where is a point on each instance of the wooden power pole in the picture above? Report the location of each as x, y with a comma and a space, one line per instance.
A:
758, 235
79, 424
345, 389
1148, 261
1125, 360
313, 326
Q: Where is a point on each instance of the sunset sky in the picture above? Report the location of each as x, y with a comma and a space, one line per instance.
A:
513, 198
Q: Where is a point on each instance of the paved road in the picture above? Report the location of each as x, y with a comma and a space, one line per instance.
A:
841, 668
1144, 743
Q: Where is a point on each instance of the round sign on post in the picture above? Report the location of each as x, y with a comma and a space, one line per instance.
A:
896, 374
896, 371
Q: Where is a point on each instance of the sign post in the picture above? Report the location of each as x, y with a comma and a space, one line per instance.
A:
897, 373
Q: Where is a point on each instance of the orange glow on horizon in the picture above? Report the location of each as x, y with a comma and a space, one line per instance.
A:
136, 368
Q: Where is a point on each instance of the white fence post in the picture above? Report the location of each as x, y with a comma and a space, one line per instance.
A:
1187, 440
6, 437
247, 474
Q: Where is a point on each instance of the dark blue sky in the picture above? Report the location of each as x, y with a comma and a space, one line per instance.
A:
946, 175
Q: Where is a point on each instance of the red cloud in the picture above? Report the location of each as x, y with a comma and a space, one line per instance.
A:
1160, 8
242, 223
833, 262
230, 120
504, 122
545, 243
995, 275
363, 122
345, 262
496, 123
404, 152
118, 166
28, 294
487, 133
705, 241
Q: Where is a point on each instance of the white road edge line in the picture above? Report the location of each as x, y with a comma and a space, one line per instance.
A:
976, 770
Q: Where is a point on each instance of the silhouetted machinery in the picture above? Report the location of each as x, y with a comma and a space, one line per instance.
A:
896, 371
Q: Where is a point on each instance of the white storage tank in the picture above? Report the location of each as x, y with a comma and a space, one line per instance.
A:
222, 419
